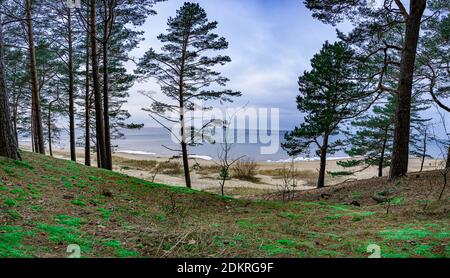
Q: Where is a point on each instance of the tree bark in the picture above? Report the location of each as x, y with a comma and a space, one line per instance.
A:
108, 152
87, 103
448, 159
323, 162
99, 121
8, 141
15, 115
187, 174
36, 102
383, 151
400, 152
424, 153
73, 155
49, 129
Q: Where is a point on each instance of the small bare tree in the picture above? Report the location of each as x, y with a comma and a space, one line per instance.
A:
289, 181
225, 160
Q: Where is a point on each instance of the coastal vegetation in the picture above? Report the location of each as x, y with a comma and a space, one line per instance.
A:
377, 92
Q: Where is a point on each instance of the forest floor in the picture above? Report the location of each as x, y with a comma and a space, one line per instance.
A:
47, 204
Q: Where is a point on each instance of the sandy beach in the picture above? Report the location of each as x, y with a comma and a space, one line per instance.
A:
205, 173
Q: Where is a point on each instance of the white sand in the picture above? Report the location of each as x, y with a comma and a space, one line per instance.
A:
266, 182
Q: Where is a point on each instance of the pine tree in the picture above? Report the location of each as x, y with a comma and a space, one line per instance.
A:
391, 17
8, 141
62, 31
183, 70
436, 59
373, 140
117, 17
36, 115
328, 96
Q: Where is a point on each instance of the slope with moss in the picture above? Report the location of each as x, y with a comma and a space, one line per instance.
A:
47, 204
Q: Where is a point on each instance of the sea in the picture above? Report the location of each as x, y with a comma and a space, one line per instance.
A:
157, 141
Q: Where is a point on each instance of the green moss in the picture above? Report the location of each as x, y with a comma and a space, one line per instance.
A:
36, 208
105, 213
161, 217
286, 242
330, 253
290, 215
405, 234
125, 253
397, 201
357, 215
66, 182
120, 251
244, 223
11, 202
23, 164
12, 214
92, 178
424, 250
11, 242
275, 249
66, 235
69, 221
112, 243
442, 234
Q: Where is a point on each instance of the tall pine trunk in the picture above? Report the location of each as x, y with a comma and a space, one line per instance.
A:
8, 140
448, 158
87, 107
49, 129
383, 151
14, 117
108, 162
424, 153
36, 101
323, 162
73, 155
187, 174
99, 121
400, 152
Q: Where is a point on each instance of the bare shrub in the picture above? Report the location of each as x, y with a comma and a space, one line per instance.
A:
135, 164
289, 178
206, 170
245, 170
308, 176
171, 168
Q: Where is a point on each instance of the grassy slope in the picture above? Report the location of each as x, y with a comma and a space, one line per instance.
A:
47, 204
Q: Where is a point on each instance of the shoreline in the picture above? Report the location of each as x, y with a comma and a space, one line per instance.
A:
205, 174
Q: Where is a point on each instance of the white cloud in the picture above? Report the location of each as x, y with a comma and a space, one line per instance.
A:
271, 43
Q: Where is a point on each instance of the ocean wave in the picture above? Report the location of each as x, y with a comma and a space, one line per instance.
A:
135, 152
204, 157
302, 159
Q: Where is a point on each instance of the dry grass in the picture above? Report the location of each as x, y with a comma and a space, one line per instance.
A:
242, 192
172, 168
207, 170
245, 170
309, 176
278, 173
417, 189
147, 165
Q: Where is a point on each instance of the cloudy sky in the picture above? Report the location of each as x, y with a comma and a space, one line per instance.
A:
270, 44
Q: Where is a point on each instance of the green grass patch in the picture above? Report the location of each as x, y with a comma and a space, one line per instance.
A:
11, 242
